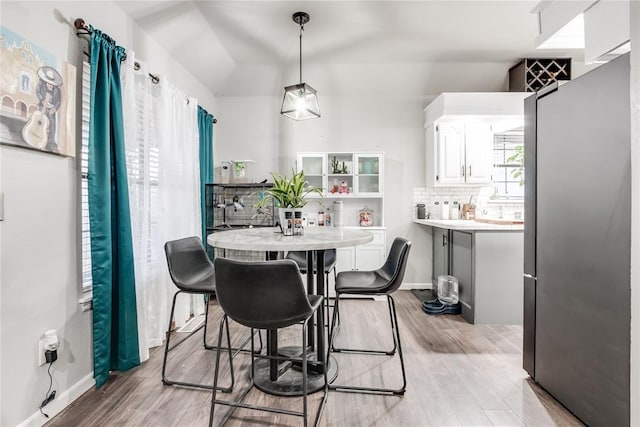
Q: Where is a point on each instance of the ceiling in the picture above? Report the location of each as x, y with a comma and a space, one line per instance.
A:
237, 48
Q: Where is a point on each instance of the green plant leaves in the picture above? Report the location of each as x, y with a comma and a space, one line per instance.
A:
289, 192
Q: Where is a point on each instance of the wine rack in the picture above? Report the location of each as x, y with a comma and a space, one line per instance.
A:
533, 74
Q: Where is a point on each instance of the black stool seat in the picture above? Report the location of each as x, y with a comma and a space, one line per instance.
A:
362, 282
300, 258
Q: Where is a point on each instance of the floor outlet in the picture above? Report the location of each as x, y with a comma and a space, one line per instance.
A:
41, 358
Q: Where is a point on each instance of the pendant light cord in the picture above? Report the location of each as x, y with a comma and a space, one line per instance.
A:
301, 30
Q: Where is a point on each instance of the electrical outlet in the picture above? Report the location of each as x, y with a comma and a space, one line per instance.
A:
41, 356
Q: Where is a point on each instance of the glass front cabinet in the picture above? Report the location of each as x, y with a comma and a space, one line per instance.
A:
344, 175
357, 180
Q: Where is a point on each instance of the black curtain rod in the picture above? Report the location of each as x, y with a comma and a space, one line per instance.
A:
83, 29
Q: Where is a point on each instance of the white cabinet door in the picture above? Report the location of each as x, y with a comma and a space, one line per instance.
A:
370, 257
368, 173
478, 152
345, 259
450, 153
314, 166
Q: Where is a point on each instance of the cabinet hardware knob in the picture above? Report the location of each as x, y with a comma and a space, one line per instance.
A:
469, 170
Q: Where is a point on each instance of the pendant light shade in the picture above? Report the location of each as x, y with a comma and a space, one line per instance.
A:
300, 101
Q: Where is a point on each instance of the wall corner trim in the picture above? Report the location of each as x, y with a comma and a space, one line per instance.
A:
60, 403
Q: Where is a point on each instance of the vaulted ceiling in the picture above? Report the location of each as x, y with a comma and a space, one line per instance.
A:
237, 48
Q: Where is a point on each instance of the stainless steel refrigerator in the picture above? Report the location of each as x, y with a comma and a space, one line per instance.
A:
577, 243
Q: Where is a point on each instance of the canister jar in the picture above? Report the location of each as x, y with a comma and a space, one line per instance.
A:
365, 217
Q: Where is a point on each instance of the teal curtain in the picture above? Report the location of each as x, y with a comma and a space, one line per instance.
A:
205, 128
115, 331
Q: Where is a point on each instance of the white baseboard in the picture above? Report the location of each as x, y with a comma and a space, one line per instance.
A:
408, 286
60, 402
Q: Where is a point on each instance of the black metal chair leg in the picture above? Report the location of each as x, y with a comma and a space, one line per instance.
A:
396, 339
168, 348
240, 349
367, 351
216, 371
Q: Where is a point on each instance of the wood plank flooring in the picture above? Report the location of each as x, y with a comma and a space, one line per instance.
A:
457, 373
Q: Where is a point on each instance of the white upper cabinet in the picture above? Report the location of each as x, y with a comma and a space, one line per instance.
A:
478, 152
368, 174
450, 153
314, 166
463, 153
344, 175
459, 130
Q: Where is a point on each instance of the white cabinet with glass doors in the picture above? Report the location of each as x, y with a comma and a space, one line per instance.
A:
342, 174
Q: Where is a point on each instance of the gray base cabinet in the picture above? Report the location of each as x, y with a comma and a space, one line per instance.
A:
462, 269
488, 266
440, 254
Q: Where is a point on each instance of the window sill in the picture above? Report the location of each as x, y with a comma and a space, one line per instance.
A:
86, 301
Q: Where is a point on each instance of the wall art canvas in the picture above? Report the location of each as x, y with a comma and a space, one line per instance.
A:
37, 97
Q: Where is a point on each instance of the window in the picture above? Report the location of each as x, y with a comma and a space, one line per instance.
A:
84, 182
508, 165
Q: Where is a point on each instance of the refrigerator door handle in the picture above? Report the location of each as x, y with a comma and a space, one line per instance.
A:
529, 276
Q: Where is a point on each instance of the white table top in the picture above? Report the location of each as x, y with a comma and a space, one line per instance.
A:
271, 239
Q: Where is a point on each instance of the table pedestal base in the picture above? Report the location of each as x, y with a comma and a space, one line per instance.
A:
289, 383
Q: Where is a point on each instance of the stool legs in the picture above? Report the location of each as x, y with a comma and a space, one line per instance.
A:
168, 348
396, 346
239, 403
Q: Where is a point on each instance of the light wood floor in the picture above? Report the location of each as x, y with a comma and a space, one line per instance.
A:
458, 374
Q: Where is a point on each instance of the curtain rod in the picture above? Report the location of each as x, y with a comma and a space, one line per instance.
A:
83, 29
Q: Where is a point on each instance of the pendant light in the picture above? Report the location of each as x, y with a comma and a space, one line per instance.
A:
300, 101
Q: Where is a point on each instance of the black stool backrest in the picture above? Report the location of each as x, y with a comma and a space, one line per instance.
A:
263, 295
188, 261
395, 265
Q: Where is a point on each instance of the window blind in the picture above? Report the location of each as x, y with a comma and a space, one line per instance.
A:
84, 182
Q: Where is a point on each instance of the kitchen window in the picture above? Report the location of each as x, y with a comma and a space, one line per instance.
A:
508, 165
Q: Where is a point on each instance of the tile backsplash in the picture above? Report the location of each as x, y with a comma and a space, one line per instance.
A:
485, 207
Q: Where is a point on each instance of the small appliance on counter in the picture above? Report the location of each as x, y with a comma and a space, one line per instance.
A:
468, 211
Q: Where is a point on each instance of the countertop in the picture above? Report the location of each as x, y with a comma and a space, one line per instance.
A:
468, 225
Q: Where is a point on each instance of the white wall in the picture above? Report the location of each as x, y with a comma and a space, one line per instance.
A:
635, 211
367, 107
39, 250
251, 127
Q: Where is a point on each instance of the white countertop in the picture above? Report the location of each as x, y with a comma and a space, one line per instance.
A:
271, 239
468, 225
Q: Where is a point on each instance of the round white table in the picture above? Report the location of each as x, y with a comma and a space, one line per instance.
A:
272, 377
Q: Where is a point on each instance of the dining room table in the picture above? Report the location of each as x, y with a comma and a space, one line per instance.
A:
273, 376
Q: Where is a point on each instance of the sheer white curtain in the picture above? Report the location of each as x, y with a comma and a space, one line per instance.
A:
161, 137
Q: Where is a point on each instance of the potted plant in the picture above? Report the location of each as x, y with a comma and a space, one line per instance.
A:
289, 194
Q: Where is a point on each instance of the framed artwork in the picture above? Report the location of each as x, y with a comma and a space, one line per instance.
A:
37, 97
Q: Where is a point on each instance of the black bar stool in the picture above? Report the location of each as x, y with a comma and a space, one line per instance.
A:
192, 272
264, 295
383, 281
